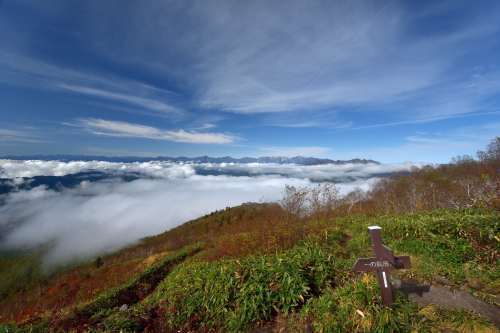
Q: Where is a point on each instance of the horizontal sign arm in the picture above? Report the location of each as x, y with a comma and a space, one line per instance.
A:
374, 264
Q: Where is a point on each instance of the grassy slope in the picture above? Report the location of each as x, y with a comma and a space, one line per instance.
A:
299, 274
27, 292
37, 293
18, 269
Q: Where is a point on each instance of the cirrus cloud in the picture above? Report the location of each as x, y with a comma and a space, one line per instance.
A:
132, 130
147, 103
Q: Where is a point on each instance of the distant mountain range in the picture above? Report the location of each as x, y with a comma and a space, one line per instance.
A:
300, 160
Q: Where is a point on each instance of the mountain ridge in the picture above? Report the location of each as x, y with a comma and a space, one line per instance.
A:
299, 160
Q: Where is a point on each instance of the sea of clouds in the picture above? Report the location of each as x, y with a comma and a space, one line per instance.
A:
101, 216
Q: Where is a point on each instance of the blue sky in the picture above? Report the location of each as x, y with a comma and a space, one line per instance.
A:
393, 81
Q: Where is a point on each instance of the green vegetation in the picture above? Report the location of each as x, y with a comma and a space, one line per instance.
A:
19, 271
354, 307
450, 241
234, 293
132, 291
311, 284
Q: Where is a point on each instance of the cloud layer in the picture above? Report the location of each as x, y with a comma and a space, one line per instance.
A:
102, 216
16, 169
165, 169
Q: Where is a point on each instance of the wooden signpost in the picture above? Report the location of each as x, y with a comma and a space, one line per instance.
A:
383, 262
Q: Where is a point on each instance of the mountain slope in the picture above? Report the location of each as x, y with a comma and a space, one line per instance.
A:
301, 284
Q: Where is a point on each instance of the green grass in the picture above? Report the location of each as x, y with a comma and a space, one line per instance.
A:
231, 294
458, 245
19, 271
40, 327
354, 307
128, 292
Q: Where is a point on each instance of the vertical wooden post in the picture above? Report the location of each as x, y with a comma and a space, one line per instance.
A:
382, 254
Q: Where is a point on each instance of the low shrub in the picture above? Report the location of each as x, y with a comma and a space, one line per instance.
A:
231, 294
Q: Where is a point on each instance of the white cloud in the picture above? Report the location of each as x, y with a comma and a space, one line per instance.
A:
427, 119
197, 137
206, 126
342, 173
34, 73
125, 129
146, 103
16, 136
16, 168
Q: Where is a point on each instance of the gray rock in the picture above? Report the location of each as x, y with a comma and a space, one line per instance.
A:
124, 307
456, 299
442, 280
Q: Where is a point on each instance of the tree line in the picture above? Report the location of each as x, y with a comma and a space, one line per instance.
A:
465, 182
